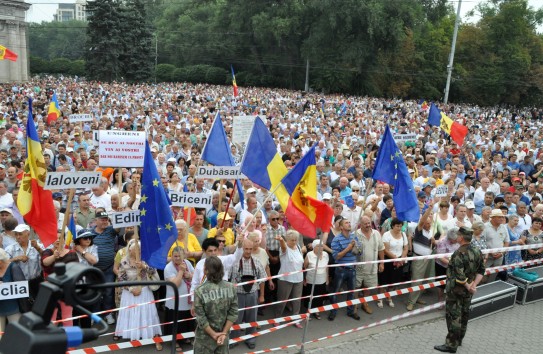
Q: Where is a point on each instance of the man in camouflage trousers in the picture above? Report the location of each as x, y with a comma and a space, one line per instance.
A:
465, 271
216, 310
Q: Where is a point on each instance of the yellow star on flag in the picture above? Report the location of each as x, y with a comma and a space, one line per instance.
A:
168, 226
155, 182
143, 211
143, 199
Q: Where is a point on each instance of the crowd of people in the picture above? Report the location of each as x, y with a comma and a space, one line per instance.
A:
495, 187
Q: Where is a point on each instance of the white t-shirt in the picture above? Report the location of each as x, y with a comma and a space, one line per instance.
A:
291, 261
396, 246
320, 277
171, 272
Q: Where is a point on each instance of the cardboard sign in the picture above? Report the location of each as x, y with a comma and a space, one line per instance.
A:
405, 137
125, 218
119, 148
67, 180
76, 118
193, 200
14, 290
242, 127
227, 172
95, 138
441, 191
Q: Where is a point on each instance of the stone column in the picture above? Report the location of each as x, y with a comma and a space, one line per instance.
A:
13, 37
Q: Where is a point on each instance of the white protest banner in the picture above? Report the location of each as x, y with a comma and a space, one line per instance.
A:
14, 290
125, 218
120, 148
241, 128
405, 137
441, 191
76, 118
67, 180
228, 172
193, 200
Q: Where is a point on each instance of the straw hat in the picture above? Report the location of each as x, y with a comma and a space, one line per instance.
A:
496, 212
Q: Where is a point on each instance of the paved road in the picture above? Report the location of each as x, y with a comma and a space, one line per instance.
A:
518, 328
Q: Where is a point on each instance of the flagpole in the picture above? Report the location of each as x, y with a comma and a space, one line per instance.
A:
302, 348
65, 221
264, 202
227, 205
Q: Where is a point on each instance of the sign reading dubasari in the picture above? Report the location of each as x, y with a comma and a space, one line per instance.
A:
125, 219
14, 290
67, 180
76, 118
229, 172
193, 200
121, 148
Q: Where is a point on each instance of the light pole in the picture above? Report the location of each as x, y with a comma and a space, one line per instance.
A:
451, 56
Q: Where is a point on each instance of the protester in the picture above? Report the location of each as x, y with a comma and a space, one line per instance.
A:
316, 278
132, 268
179, 271
9, 308
290, 286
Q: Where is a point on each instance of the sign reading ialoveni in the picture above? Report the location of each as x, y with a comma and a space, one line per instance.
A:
14, 290
121, 148
67, 180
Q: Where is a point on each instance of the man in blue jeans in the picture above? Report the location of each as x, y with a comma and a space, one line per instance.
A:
343, 249
105, 237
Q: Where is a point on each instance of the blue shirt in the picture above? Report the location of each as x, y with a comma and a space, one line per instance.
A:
339, 243
106, 242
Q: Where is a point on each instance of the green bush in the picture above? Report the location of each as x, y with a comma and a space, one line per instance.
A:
38, 65
77, 67
60, 66
165, 72
180, 75
216, 76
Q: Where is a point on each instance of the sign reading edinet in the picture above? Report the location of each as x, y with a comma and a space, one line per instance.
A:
14, 290
67, 180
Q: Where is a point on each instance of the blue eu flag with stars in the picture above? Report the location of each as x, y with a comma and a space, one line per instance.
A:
390, 168
157, 227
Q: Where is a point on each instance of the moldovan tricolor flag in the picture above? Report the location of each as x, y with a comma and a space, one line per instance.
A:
6, 54
304, 212
34, 202
234, 84
54, 111
456, 130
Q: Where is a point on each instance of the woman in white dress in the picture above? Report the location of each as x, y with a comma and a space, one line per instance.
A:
137, 322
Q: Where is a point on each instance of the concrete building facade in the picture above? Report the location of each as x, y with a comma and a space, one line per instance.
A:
13, 36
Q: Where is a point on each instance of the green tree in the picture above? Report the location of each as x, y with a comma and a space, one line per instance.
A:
104, 40
49, 40
137, 56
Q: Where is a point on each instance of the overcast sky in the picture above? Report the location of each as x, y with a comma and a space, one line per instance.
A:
43, 10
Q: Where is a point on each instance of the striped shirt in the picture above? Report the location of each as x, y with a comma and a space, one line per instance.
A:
340, 243
271, 243
106, 242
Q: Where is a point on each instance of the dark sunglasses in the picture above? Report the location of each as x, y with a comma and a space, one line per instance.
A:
221, 241
274, 219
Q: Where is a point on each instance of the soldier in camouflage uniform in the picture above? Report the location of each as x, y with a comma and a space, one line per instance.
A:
216, 309
465, 271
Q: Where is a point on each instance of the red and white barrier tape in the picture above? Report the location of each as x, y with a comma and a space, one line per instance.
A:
168, 338
297, 318
488, 271
375, 324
